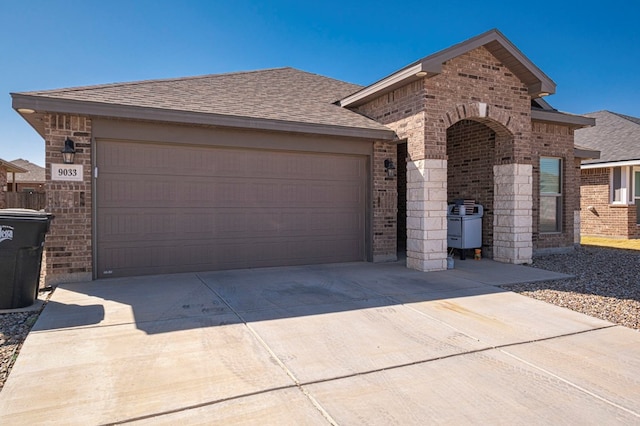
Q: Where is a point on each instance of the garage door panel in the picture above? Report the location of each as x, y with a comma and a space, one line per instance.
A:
134, 225
158, 160
162, 209
189, 255
165, 192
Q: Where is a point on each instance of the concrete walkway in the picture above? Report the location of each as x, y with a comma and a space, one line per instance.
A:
340, 344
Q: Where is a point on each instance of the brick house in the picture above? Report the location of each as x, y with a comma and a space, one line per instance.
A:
32, 180
283, 167
610, 185
7, 169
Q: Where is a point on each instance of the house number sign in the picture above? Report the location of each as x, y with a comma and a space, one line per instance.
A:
68, 172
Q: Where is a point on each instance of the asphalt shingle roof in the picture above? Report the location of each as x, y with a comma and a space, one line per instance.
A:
616, 136
34, 172
283, 94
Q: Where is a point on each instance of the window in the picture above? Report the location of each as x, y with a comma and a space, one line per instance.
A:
620, 185
550, 194
636, 192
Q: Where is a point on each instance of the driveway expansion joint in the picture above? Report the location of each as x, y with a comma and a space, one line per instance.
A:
273, 355
196, 406
471, 352
572, 384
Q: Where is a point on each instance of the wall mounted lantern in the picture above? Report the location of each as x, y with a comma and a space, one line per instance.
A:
68, 152
389, 167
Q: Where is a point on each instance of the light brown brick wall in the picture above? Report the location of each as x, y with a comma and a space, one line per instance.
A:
403, 111
554, 140
471, 151
384, 200
35, 186
618, 221
68, 244
477, 76
422, 111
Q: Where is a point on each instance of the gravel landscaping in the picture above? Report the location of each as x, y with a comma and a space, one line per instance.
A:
606, 283
15, 328
606, 286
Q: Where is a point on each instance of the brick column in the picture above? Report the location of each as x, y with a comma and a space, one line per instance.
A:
385, 204
427, 215
512, 220
68, 246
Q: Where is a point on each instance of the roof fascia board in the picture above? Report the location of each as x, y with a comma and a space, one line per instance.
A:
577, 121
591, 154
67, 106
433, 65
610, 164
544, 104
391, 82
12, 168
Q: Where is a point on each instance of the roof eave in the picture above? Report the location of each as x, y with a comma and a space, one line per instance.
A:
585, 153
606, 164
12, 168
98, 109
387, 84
574, 121
432, 66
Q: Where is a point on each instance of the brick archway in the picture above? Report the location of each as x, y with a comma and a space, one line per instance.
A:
499, 120
507, 232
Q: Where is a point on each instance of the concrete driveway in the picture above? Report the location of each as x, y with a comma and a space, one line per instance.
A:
344, 344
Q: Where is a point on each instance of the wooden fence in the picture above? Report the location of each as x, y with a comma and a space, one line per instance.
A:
25, 200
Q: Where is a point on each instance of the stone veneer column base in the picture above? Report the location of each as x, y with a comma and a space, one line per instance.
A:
427, 215
513, 216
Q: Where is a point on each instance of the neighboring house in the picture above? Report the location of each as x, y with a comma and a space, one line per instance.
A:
610, 185
8, 172
284, 167
30, 181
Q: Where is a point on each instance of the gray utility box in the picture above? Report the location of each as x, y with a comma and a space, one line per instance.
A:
464, 231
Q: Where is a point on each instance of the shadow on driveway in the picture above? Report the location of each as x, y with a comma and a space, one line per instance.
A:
159, 304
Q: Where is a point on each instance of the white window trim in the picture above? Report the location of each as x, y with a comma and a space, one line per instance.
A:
559, 195
633, 198
625, 186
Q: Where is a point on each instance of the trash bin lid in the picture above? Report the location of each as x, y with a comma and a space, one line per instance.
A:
25, 213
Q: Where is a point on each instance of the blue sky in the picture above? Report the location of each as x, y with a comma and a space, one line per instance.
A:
591, 52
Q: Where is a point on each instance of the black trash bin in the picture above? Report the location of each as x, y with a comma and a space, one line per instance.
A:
22, 234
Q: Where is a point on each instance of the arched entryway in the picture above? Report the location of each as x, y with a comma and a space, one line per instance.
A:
490, 160
483, 146
471, 147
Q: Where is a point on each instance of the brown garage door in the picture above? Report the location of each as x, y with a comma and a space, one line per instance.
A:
161, 209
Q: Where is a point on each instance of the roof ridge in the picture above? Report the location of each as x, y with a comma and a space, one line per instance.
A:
634, 120
140, 82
